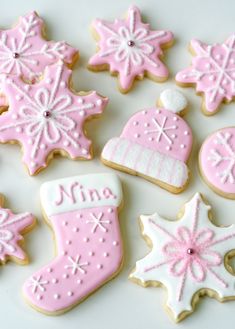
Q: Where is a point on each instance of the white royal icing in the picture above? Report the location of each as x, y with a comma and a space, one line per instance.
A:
173, 100
169, 261
79, 192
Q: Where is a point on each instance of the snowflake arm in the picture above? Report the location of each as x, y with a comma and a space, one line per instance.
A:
11, 228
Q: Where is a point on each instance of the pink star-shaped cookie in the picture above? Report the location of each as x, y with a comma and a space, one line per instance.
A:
24, 51
47, 117
130, 49
213, 72
11, 226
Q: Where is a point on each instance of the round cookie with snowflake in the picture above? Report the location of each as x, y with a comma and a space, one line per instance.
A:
130, 49
155, 144
217, 162
212, 71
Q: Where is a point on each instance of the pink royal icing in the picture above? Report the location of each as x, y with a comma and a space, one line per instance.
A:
187, 256
130, 48
213, 72
10, 227
89, 248
217, 160
24, 51
47, 116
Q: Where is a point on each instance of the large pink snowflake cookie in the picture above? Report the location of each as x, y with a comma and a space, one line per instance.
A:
217, 161
12, 227
155, 144
213, 72
48, 117
24, 51
130, 49
83, 213
189, 257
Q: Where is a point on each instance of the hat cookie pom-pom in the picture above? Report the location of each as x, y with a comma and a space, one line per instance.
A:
173, 100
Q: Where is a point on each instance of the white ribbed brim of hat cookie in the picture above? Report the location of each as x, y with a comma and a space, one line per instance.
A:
145, 161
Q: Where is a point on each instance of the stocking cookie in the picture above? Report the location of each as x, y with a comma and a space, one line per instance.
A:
12, 227
24, 51
189, 257
155, 144
130, 49
217, 162
48, 117
213, 72
83, 213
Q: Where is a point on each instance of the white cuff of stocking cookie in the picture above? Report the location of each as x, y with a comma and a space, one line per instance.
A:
145, 161
79, 192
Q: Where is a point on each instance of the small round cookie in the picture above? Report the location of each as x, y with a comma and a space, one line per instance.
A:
212, 71
47, 117
24, 50
189, 257
217, 162
83, 213
155, 144
130, 49
12, 227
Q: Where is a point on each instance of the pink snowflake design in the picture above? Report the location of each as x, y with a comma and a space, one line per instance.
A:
23, 51
130, 49
47, 117
213, 72
10, 227
217, 161
187, 255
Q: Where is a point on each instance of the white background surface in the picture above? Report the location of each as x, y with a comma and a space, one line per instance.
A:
120, 303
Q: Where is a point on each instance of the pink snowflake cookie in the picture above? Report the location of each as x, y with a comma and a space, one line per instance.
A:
188, 256
154, 144
47, 117
25, 52
83, 213
130, 49
11, 229
217, 161
213, 72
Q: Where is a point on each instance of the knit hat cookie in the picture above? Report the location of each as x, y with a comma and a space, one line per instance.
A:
83, 213
155, 144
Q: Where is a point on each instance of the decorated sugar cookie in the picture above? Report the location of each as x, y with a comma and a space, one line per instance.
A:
212, 72
189, 257
130, 49
48, 117
217, 161
83, 213
154, 144
24, 50
12, 227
